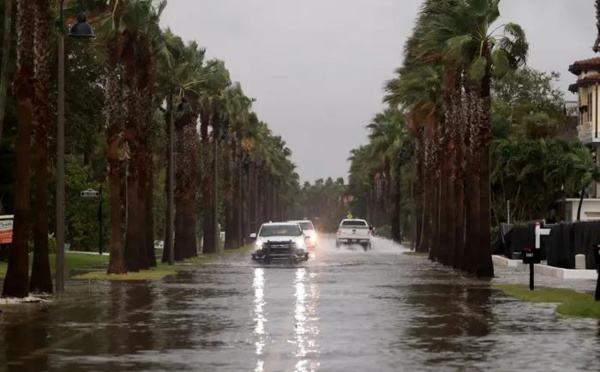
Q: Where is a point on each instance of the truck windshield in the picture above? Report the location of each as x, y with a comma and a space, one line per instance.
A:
358, 224
280, 230
306, 226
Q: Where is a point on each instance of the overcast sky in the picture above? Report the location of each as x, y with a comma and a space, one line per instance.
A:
317, 67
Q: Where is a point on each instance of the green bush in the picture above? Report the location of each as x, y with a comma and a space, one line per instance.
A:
51, 243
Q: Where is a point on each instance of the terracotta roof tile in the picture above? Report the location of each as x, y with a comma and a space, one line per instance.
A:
589, 61
583, 64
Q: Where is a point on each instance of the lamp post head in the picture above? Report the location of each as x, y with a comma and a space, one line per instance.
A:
82, 28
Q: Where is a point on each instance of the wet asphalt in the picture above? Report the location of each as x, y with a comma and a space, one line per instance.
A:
344, 310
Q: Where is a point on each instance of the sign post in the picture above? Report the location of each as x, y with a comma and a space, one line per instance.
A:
97, 194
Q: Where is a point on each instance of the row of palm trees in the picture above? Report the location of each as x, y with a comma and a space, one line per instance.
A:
441, 100
151, 76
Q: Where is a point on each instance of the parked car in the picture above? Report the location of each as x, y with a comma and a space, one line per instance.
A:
309, 231
281, 241
354, 231
159, 244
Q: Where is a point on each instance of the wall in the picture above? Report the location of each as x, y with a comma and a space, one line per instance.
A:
590, 209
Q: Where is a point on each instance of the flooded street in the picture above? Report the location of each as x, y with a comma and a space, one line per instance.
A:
344, 310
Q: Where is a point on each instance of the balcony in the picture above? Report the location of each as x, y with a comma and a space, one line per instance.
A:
587, 134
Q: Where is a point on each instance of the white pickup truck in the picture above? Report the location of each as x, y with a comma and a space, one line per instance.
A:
354, 231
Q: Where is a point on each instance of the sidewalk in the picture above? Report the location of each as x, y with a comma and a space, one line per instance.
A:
90, 253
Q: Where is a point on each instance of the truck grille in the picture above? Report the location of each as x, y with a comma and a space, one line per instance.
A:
278, 248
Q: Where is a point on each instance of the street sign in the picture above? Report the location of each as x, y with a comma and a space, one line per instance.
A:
6, 229
90, 193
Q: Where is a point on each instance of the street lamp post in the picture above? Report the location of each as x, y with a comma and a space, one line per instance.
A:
80, 29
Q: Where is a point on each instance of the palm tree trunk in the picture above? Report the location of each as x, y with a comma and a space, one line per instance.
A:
209, 227
41, 278
472, 190
15, 282
240, 199
169, 215
459, 198
132, 234
229, 192
113, 102
418, 199
191, 166
4, 72
148, 212
397, 204
484, 265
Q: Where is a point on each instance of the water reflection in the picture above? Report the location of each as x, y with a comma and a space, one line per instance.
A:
450, 316
22, 341
259, 317
306, 320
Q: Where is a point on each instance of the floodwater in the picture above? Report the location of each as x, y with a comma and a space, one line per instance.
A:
344, 310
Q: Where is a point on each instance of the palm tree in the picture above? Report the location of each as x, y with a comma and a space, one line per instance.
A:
180, 73
387, 137
41, 279
138, 33
215, 81
418, 89
472, 45
15, 282
185, 184
115, 115
238, 110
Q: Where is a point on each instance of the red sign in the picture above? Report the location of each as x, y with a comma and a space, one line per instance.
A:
6, 229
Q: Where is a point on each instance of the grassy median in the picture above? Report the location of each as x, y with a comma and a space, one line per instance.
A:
93, 266
570, 303
416, 254
162, 270
73, 261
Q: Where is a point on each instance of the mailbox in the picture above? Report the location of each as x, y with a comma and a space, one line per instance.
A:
530, 255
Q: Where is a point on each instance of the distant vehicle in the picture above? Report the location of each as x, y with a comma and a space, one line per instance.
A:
354, 231
159, 244
277, 241
309, 231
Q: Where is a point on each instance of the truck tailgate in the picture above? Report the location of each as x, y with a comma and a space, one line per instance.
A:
354, 233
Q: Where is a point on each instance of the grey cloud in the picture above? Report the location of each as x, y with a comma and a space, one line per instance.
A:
317, 67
